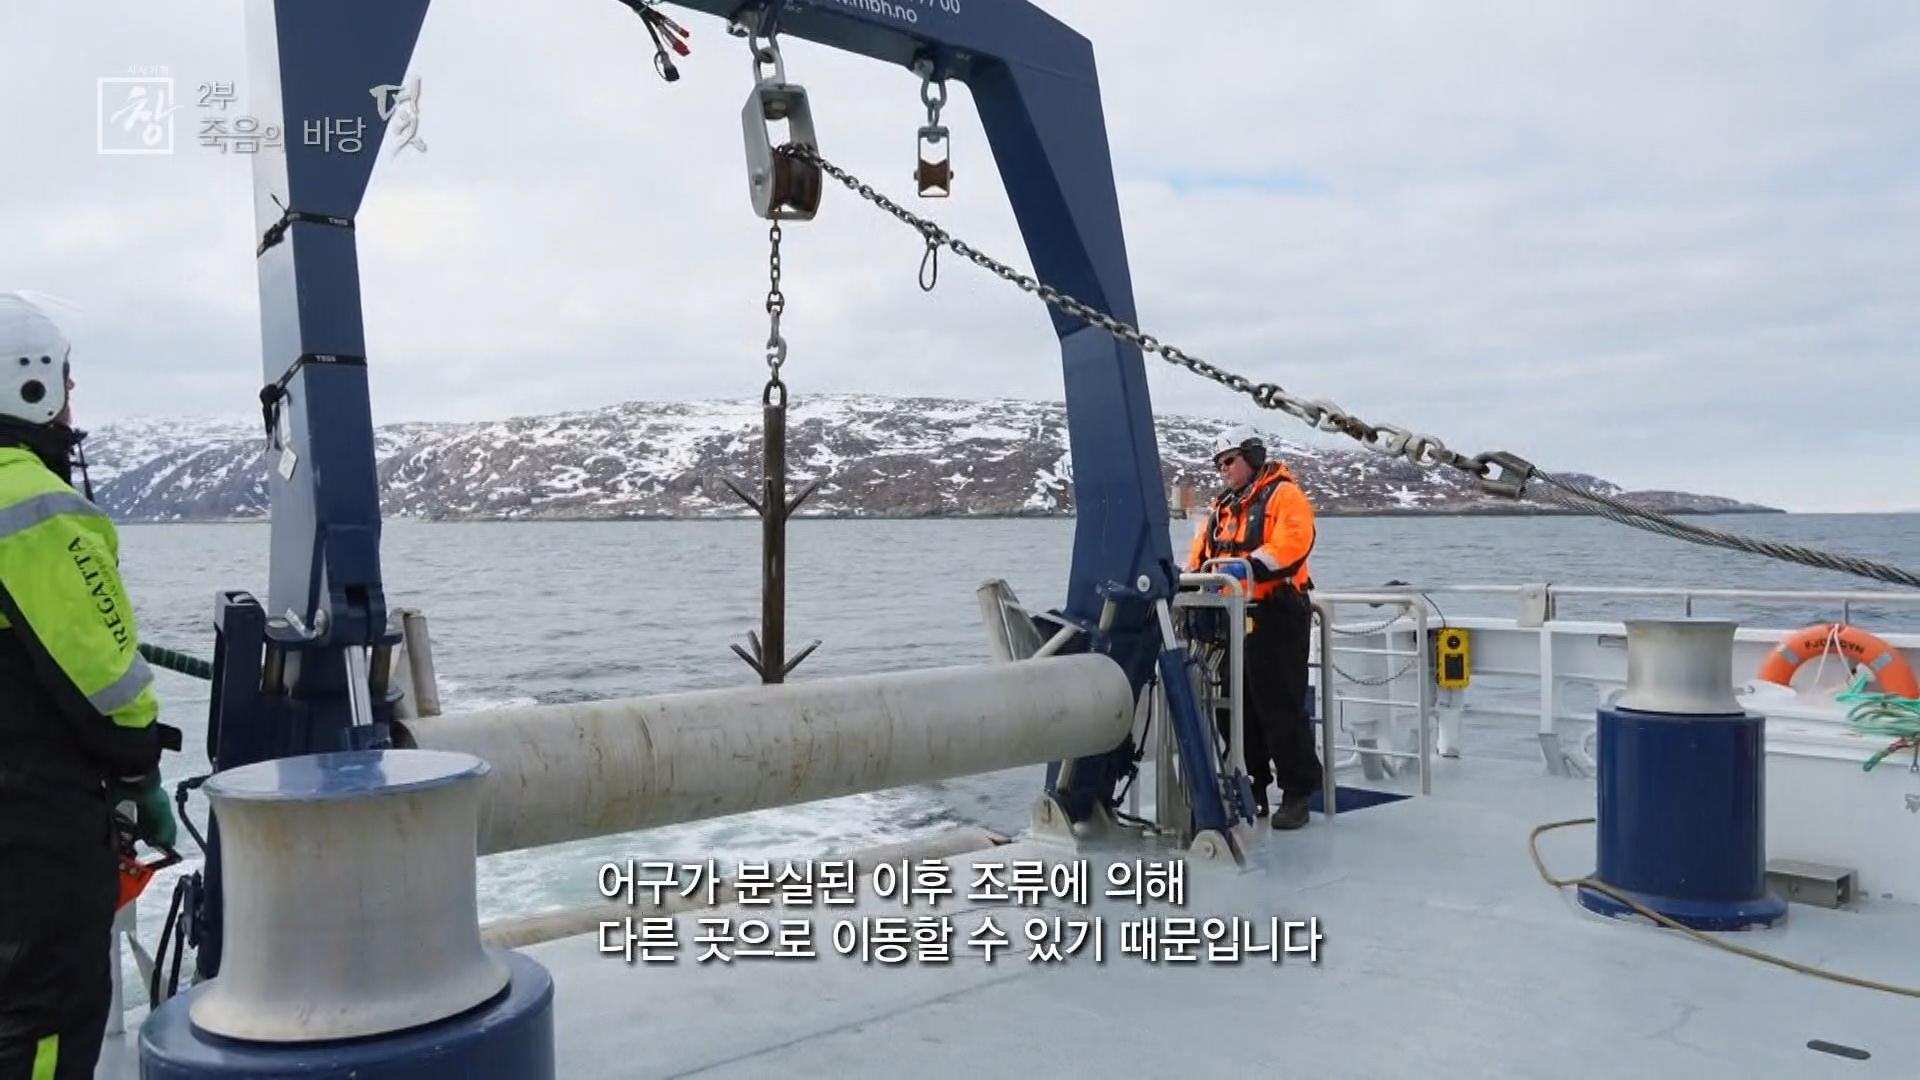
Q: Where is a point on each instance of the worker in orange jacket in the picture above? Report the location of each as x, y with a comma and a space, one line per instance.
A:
1264, 517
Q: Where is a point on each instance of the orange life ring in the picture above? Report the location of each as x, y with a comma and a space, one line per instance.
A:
1889, 668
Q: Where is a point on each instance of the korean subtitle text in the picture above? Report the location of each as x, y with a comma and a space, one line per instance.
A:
634, 880
1187, 940
797, 883
927, 937
1144, 880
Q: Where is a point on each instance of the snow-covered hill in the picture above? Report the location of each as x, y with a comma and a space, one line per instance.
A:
874, 456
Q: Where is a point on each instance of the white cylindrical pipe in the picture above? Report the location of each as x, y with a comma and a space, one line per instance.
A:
349, 904
419, 648
575, 771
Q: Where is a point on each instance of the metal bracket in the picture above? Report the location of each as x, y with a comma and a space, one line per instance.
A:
1449, 716
783, 187
1049, 820
1814, 884
1213, 847
1536, 606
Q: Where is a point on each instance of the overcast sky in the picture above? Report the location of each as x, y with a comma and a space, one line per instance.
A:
1672, 244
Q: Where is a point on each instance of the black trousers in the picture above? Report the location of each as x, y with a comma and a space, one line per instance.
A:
1279, 733
56, 982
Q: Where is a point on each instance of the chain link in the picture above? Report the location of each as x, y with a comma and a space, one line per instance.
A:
933, 94
1496, 472
776, 391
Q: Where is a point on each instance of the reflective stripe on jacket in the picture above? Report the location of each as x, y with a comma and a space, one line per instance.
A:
1272, 524
80, 700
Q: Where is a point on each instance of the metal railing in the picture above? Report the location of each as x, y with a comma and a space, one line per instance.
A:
1538, 602
1231, 599
1332, 704
1530, 642
1533, 642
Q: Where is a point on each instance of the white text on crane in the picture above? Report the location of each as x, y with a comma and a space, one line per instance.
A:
903, 11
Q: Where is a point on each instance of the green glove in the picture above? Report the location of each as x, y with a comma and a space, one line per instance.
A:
154, 822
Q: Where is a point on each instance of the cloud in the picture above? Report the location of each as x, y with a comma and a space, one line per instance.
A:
1673, 245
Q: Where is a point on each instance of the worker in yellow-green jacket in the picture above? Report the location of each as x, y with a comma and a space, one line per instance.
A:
79, 733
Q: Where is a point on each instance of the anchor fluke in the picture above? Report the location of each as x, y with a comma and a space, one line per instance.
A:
753, 661
802, 655
744, 497
794, 503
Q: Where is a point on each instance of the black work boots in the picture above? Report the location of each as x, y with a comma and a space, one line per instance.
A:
1292, 813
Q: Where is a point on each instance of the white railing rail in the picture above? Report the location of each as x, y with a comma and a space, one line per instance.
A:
1375, 685
1539, 601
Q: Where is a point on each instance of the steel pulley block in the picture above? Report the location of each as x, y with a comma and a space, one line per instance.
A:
782, 186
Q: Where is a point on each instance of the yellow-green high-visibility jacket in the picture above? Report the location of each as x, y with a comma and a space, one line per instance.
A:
77, 704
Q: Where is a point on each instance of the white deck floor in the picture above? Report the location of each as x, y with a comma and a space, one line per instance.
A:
1444, 956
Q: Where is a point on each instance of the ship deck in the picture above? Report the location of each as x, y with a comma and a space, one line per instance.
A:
1443, 954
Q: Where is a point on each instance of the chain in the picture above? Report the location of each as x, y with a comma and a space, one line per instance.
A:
1375, 680
776, 391
1496, 472
933, 94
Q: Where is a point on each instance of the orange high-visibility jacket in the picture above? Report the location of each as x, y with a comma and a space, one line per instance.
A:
1271, 524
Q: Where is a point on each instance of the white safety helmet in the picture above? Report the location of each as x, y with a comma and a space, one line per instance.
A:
33, 362
1244, 439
